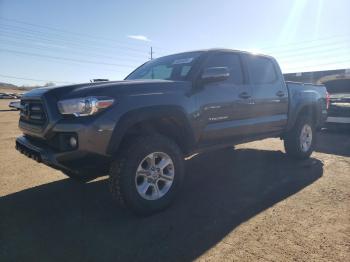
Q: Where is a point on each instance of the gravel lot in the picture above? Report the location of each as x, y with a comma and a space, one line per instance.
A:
247, 204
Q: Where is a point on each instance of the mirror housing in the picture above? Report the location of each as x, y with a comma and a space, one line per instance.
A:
214, 74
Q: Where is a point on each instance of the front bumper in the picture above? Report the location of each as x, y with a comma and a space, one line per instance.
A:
76, 161
40, 154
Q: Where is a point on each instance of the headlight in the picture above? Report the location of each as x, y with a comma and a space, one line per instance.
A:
84, 106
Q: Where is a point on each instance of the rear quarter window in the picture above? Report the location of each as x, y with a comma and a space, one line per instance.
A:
262, 70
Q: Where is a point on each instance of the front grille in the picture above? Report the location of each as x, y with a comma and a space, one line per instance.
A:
33, 112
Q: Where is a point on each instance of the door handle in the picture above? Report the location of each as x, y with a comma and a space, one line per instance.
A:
244, 95
280, 93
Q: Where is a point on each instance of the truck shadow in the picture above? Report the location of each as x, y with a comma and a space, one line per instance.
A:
69, 221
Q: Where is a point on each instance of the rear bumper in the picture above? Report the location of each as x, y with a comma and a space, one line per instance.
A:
338, 120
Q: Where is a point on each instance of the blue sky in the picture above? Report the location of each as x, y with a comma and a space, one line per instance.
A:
75, 41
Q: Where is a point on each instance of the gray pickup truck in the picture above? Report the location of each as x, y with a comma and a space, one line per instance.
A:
139, 130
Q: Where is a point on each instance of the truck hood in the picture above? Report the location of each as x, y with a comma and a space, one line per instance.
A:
110, 88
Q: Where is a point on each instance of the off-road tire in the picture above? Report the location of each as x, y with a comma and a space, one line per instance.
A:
292, 143
123, 171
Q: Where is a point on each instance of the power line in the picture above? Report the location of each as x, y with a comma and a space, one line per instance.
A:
319, 65
275, 47
75, 51
70, 32
286, 51
47, 44
321, 53
80, 67
63, 58
335, 43
123, 46
32, 79
33, 37
305, 41
301, 53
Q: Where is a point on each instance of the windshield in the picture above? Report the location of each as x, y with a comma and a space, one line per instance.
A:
173, 67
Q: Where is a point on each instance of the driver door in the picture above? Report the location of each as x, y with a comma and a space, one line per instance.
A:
224, 105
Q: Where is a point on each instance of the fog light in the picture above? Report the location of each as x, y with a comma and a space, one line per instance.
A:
73, 142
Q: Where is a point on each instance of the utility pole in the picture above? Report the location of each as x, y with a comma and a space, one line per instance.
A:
151, 53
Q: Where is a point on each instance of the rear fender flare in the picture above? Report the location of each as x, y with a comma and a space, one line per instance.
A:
296, 112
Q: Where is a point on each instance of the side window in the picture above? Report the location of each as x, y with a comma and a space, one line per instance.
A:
158, 72
262, 70
232, 62
184, 70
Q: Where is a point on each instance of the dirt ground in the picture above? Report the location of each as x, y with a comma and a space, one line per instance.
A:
247, 204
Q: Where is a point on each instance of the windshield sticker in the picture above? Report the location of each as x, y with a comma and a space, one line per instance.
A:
183, 61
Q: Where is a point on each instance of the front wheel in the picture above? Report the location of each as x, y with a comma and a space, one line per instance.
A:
147, 174
299, 142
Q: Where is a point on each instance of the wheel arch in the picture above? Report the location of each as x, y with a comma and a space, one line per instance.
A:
168, 121
305, 109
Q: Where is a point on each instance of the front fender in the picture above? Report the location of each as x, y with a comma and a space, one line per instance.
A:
139, 115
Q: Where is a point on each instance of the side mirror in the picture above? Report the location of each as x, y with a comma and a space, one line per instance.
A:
214, 74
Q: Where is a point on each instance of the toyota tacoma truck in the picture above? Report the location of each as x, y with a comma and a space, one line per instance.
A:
138, 131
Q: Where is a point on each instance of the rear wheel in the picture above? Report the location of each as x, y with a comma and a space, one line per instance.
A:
147, 174
299, 142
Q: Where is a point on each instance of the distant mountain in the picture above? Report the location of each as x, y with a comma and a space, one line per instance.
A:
6, 85
11, 86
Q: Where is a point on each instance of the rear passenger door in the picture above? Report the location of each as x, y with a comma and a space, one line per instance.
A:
224, 104
270, 95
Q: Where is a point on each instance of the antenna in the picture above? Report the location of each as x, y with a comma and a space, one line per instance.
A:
151, 53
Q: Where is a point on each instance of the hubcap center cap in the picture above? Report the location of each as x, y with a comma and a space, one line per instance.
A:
154, 174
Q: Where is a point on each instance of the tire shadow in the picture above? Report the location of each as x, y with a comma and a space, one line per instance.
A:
70, 221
